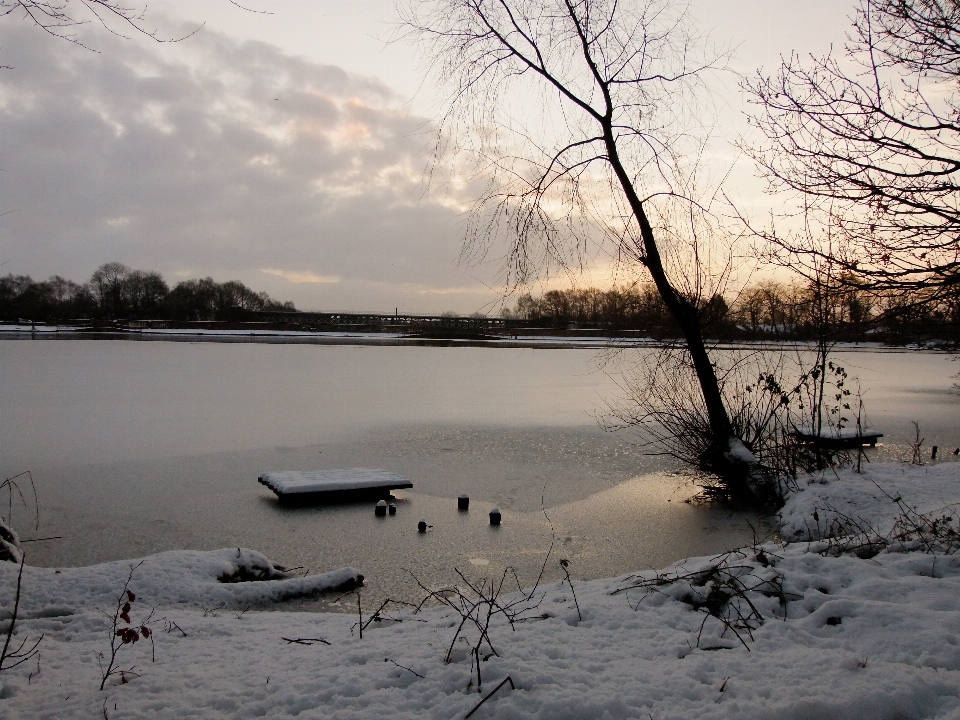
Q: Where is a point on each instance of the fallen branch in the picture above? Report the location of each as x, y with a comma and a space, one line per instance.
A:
170, 626
378, 616
506, 680
213, 610
304, 641
403, 667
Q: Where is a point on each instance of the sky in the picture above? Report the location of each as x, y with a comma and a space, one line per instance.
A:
283, 145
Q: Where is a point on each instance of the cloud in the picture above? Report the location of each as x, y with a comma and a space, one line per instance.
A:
460, 290
300, 277
227, 158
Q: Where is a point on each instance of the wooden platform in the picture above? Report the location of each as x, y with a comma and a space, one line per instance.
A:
847, 438
325, 486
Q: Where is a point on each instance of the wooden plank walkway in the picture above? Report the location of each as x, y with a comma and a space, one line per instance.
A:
324, 486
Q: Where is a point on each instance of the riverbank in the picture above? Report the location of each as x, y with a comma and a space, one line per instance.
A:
822, 633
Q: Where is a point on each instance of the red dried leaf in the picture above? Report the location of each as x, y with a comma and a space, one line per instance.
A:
145, 631
130, 596
125, 617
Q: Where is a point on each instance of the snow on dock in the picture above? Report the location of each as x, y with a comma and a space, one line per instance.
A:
327, 485
837, 437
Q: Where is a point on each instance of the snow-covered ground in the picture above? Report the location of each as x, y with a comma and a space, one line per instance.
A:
818, 628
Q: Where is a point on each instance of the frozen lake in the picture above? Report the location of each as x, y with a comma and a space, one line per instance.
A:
142, 447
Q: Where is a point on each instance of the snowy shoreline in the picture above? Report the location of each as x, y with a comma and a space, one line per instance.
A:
842, 636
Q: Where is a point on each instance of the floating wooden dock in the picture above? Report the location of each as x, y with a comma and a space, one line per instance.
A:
834, 440
325, 486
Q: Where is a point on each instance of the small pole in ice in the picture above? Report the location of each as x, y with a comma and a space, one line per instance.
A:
495, 516
422, 526
392, 509
463, 502
381, 509
933, 453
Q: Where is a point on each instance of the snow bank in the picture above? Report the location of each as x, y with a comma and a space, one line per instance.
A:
179, 577
739, 452
841, 638
870, 496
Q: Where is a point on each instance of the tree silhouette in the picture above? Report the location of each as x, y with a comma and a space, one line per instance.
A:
870, 143
585, 119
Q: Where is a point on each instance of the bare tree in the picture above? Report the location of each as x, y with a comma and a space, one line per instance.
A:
870, 143
145, 292
109, 283
588, 120
61, 18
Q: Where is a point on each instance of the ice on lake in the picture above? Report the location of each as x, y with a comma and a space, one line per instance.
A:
138, 448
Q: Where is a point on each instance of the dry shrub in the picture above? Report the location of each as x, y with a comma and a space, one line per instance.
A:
768, 396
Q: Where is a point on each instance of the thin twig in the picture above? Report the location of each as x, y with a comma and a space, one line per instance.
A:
506, 680
304, 641
564, 564
404, 667
19, 654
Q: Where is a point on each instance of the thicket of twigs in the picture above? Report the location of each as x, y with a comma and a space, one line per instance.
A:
726, 592
837, 533
15, 651
769, 397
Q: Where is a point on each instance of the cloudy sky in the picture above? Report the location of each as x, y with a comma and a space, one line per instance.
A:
285, 150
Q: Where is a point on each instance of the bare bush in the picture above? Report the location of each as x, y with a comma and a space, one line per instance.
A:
124, 631
770, 396
9, 542
11, 551
11, 656
935, 533
478, 604
722, 591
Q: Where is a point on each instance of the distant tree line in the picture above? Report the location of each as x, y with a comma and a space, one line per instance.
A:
846, 311
116, 291
769, 309
634, 308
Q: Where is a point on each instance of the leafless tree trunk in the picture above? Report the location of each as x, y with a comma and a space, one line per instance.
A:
587, 120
